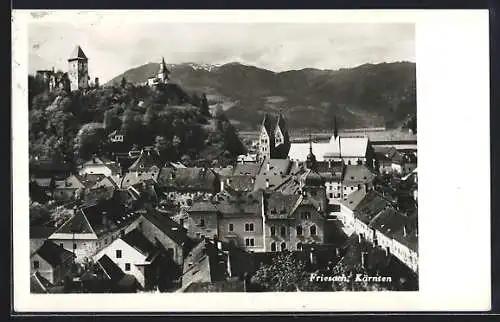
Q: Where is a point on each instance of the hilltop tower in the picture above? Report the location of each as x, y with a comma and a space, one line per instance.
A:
163, 73
78, 71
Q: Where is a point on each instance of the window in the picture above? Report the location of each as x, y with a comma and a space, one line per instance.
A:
74, 245
352, 188
231, 227
299, 246
62, 245
283, 231
306, 215
313, 230
299, 230
202, 222
249, 242
36, 264
273, 247
273, 231
283, 246
127, 266
249, 227
106, 241
118, 253
331, 195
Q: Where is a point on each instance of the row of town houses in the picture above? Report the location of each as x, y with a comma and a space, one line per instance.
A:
278, 203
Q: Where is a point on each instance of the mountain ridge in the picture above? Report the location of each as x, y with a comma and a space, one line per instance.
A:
368, 95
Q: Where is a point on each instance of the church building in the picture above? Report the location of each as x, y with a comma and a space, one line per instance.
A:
274, 140
162, 77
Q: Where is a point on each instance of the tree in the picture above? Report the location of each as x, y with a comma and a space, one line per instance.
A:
111, 120
60, 215
89, 140
162, 146
284, 274
39, 214
204, 106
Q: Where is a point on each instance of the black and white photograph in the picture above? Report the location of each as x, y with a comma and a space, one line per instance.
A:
222, 157
236, 159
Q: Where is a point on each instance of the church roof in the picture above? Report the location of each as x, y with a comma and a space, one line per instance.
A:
299, 151
267, 123
281, 124
348, 147
77, 54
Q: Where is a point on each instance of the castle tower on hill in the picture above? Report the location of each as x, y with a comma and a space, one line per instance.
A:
78, 70
163, 73
162, 77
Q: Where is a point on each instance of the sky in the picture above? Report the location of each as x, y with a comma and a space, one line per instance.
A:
113, 48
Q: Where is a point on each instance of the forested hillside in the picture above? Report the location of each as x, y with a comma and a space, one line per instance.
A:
74, 126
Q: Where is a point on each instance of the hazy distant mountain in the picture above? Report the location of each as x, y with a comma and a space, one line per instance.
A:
364, 96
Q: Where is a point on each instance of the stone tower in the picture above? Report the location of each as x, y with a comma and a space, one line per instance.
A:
78, 71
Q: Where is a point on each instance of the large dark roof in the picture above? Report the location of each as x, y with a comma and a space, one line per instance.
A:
240, 204
148, 159
358, 174
110, 268
247, 169
37, 232
239, 183
202, 179
169, 227
39, 284
90, 219
279, 206
136, 239
372, 204
54, 254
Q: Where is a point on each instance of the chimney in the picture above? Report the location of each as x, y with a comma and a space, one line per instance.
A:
222, 185
404, 230
267, 182
104, 218
268, 166
359, 238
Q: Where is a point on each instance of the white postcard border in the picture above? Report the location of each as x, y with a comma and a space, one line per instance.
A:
454, 171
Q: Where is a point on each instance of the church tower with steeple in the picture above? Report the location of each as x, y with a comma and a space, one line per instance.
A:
163, 73
78, 70
311, 158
